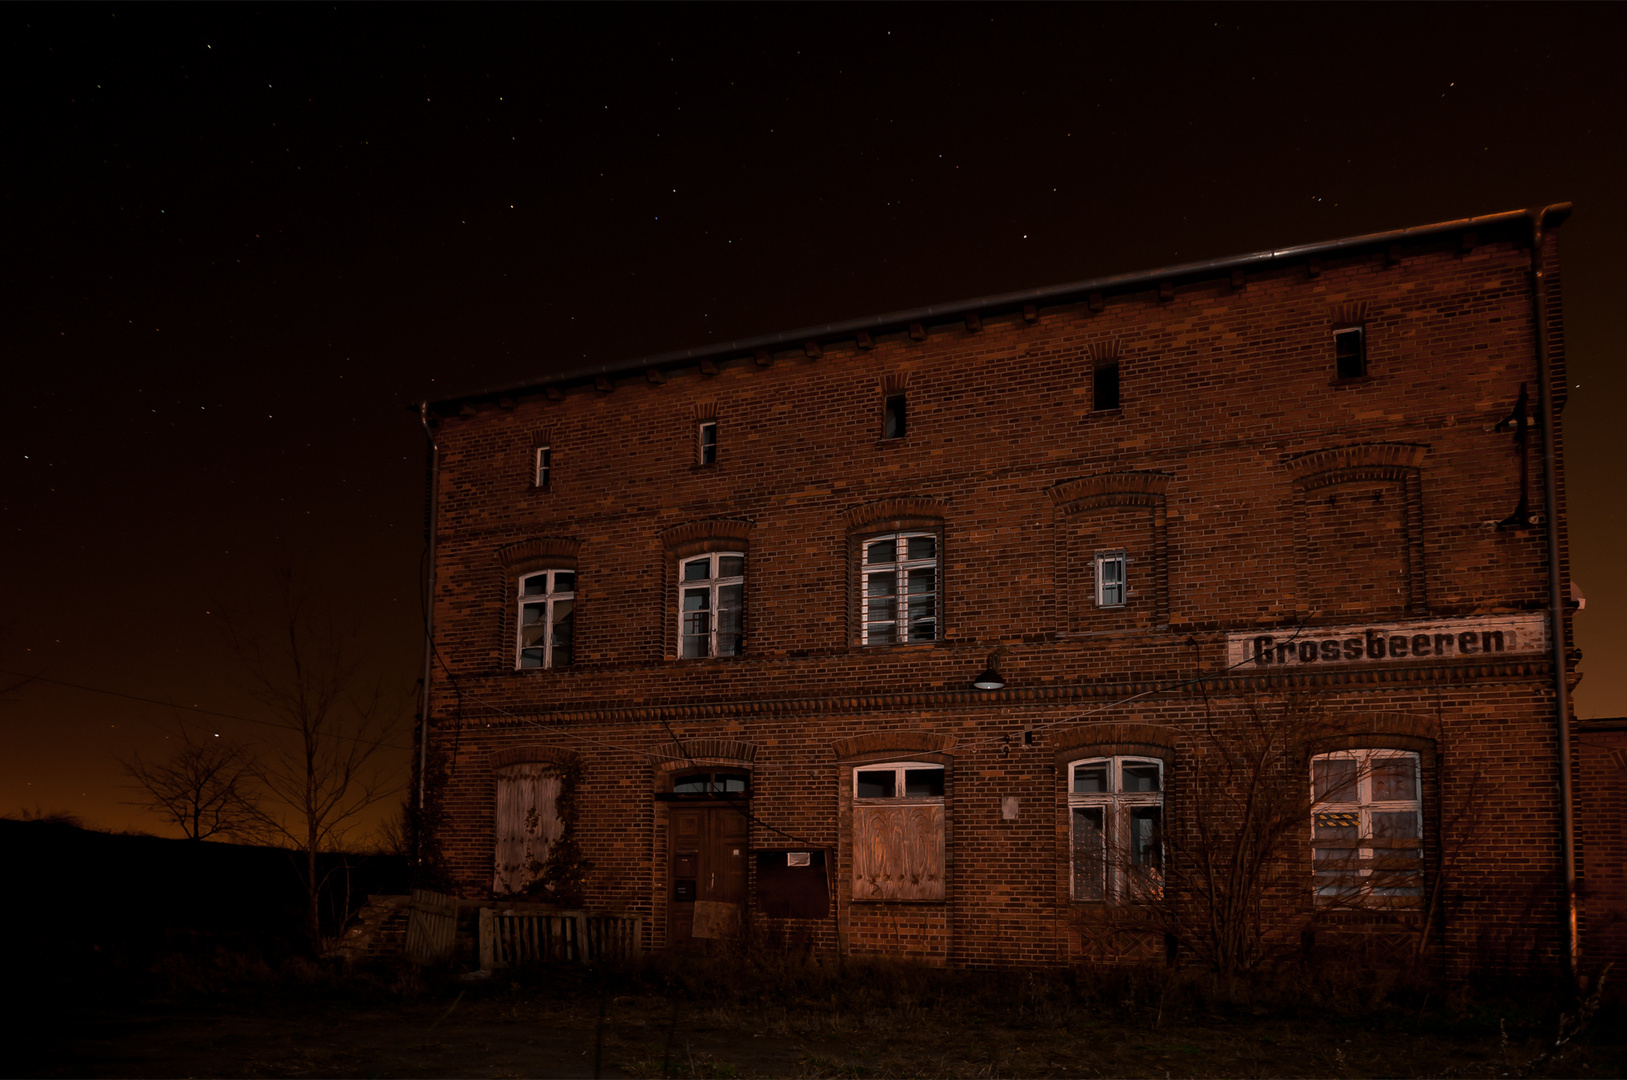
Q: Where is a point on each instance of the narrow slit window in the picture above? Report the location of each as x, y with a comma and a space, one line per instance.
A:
706, 443
893, 423
1110, 579
1105, 385
542, 465
1350, 353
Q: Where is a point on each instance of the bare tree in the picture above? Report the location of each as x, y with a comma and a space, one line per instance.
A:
307, 669
1246, 797
206, 788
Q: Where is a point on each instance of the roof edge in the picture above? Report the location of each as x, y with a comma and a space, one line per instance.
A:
1551, 216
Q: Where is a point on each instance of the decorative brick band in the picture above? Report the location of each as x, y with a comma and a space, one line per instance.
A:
709, 529
531, 755
1220, 685
1361, 455
1112, 489
557, 552
894, 513
892, 742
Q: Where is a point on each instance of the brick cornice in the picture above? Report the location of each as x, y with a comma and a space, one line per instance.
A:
896, 511
1376, 679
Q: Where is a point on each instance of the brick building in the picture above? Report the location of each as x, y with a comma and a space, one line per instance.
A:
980, 633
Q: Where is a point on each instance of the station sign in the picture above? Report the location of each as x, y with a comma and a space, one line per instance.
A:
1482, 636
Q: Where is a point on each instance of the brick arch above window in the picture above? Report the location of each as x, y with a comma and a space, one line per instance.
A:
1366, 497
676, 757
892, 744
1113, 739
890, 515
1109, 489
539, 553
510, 756
1363, 461
1118, 510
709, 534
1381, 731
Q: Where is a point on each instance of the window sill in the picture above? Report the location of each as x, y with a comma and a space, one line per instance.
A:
532, 489
1115, 413
886, 444
1353, 381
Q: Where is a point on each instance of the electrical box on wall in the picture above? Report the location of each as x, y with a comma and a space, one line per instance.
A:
793, 884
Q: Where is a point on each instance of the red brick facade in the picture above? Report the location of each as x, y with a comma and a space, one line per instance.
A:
1250, 490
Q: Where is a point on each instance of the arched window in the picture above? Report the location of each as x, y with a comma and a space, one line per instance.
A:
547, 620
711, 601
898, 831
898, 576
1116, 821
1367, 847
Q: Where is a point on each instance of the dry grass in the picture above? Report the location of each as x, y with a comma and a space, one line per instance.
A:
760, 1014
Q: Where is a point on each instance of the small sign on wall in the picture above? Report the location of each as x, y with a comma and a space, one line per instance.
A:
1480, 637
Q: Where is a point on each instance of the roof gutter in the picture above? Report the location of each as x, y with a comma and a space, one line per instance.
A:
1050, 294
1556, 606
432, 495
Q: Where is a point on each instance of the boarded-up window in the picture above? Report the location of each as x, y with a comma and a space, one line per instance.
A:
898, 832
528, 824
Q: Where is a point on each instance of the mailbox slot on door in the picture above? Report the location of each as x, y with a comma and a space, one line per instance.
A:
683, 890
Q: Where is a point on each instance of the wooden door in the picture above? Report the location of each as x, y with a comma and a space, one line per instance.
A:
707, 884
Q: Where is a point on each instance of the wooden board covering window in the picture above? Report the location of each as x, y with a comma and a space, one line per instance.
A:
528, 824
898, 852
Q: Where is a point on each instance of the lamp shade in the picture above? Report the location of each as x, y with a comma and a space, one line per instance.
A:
989, 680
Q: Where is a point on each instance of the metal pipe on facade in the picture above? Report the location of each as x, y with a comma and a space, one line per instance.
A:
431, 509
1556, 600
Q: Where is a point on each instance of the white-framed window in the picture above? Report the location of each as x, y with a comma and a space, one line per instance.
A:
1111, 584
898, 831
711, 599
706, 442
899, 578
1367, 829
547, 622
1116, 821
542, 465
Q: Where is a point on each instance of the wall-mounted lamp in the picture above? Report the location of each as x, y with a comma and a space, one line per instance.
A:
990, 679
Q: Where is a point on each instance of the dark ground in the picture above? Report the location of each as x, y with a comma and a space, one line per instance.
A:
743, 1017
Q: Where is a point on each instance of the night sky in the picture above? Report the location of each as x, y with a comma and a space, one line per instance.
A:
238, 242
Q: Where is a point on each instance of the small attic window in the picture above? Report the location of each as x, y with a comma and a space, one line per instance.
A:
1350, 353
706, 442
892, 421
542, 466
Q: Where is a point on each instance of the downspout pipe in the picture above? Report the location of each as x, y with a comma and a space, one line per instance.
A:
1556, 599
433, 497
